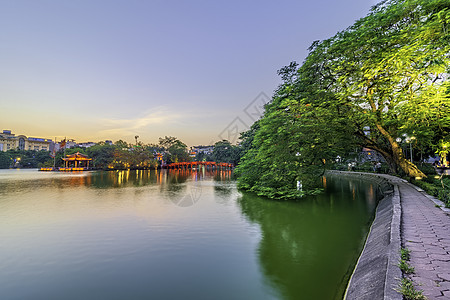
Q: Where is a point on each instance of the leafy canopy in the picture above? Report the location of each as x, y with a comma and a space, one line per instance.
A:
383, 77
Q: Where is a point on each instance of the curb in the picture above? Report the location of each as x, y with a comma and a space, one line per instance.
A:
434, 199
394, 274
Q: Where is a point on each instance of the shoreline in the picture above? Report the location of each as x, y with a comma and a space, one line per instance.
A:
376, 274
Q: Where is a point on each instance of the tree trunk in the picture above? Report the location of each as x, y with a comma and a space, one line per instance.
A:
399, 159
408, 167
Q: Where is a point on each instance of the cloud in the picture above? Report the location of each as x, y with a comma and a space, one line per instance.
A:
158, 115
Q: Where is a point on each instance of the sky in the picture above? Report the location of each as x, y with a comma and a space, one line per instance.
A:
108, 70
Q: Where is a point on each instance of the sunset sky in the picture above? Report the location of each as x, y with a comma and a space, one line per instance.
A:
197, 70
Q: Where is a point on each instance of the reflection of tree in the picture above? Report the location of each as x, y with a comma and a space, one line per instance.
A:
224, 175
174, 182
308, 248
223, 190
224, 184
125, 178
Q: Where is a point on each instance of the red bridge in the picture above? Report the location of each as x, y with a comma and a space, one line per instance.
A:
211, 164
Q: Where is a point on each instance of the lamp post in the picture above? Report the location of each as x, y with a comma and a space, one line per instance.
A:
400, 141
410, 146
408, 140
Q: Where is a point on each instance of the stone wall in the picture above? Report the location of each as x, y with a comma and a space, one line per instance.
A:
376, 274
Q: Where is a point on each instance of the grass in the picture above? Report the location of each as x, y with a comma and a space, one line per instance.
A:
403, 264
404, 253
408, 290
405, 267
437, 186
406, 286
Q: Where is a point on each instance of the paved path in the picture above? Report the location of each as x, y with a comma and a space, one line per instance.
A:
424, 229
426, 233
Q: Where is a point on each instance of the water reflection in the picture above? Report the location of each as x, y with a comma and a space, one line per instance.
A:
315, 240
171, 183
174, 234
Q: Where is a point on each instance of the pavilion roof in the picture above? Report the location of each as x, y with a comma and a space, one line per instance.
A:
77, 156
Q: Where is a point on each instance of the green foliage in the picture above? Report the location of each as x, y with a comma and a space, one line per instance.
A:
201, 156
408, 290
120, 155
406, 287
443, 150
175, 150
23, 158
102, 155
5, 160
224, 151
70, 151
405, 267
390, 82
437, 187
283, 151
382, 77
405, 254
427, 169
120, 144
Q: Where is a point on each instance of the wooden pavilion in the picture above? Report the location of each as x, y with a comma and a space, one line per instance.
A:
76, 162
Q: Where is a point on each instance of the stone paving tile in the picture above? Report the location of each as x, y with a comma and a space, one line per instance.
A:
426, 233
428, 267
415, 246
433, 294
440, 257
436, 249
445, 285
419, 254
444, 276
441, 266
421, 261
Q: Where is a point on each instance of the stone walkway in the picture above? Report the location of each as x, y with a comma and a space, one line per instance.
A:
426, 233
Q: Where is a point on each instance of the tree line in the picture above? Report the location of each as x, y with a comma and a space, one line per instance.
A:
122, 155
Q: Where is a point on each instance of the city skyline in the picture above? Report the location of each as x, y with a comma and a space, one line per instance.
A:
199, 71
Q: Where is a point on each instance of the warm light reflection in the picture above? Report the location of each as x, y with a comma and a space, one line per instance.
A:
164, 178
371, 196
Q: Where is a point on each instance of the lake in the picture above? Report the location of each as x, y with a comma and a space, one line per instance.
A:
175, 235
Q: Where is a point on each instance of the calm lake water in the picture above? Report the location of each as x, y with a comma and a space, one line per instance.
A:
174, 235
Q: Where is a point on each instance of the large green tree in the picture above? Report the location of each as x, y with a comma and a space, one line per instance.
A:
5, 160
175, 150
224, 151
383, 77
389, 74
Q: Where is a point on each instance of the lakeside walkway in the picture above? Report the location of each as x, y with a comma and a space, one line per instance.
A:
425, 231
410, 217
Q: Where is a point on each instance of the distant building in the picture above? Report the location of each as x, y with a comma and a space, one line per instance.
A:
370, 155
86, 145
9, 141
201, 149
71, 144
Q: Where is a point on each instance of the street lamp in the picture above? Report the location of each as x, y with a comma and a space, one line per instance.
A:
408, 140
410, 146
400, 140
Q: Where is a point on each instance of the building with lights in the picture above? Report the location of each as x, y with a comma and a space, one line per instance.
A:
9, 141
